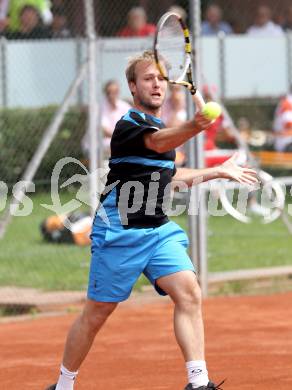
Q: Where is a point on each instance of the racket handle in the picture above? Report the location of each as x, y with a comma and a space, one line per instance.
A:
198, 100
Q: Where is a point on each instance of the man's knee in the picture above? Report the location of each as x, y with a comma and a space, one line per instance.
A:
96, 313
190, 297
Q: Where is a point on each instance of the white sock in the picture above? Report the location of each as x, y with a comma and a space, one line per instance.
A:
66, 379
197, 373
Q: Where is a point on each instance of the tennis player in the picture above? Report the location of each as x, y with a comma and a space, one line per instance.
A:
131, 233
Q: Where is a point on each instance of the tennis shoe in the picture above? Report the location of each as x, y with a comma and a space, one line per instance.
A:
210, 386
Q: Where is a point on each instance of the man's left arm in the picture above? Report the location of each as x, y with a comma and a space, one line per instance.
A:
228, 170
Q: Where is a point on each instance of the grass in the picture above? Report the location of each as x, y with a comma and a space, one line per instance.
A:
233, 245
27, 261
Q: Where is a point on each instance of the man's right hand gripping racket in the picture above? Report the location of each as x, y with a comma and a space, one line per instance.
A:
172, 51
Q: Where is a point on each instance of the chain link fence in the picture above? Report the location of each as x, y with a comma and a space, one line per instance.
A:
44, 117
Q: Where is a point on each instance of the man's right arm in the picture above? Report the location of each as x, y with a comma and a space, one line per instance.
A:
169, 138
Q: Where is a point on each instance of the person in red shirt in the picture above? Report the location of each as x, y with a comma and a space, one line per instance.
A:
137, 25
219, 129
283, 124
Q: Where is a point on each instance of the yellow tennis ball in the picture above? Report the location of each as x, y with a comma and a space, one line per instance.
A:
211, 110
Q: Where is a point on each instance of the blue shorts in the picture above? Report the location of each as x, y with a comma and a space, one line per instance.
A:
120, 256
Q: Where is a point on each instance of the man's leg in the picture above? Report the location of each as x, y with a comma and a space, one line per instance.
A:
80, 338
185, 292
83, 332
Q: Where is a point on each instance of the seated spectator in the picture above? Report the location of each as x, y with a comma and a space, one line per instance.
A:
30, 25
213, 23
59, 27
174, 113
4, 21
244, 128
42, 6
283, 125
288, 20
219, 131
137, 25
174, 108
113, 108
264, 26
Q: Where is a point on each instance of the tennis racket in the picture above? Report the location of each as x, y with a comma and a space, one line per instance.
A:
172, 52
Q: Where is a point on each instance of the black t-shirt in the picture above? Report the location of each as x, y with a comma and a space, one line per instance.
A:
143, 176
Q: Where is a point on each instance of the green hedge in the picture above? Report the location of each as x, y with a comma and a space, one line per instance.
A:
260, 112
20, 133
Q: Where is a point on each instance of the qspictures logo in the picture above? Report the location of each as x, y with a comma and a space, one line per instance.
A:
222, 197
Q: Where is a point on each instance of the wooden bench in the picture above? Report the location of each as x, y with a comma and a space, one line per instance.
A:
276, 160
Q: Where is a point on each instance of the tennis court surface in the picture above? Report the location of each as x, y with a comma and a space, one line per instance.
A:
248, 340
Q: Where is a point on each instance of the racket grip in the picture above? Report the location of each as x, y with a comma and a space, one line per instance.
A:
198, 100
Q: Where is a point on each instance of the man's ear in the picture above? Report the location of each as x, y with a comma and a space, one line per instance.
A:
132, 87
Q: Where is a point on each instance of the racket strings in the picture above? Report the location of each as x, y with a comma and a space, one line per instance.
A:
171, 48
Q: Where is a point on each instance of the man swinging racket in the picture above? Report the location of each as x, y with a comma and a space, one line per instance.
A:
131, 233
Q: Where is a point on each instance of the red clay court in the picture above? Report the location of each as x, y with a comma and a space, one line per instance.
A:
248, 340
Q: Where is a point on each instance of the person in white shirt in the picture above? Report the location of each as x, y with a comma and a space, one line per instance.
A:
174, 113
174, 110
213, 23
112, 109
264, 26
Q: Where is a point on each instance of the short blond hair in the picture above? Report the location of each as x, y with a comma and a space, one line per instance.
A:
147, 56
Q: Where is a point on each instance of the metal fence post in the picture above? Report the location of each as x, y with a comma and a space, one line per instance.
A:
289, 60
92, 104
3, 73
222, 64
197, 222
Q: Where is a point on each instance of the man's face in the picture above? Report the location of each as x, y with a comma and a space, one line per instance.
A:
213, 15
263, 16
29, 19
136, 21
59, 22
150, 87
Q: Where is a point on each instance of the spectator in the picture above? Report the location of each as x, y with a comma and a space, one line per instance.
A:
288, 20
244, 128
283, 125
30, 25
113, 108
220, 128
213, 23
174, 109
59, 27
15, 7
264, 26
174, 113
137, 25
3, 15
